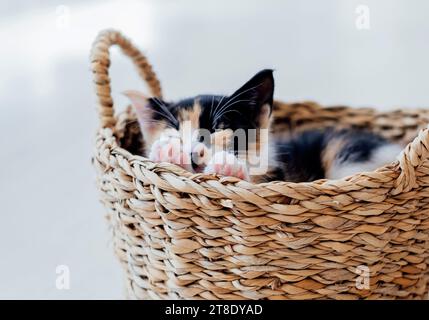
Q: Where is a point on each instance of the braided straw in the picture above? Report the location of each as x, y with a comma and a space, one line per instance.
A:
100, 62
193, 236
410, 159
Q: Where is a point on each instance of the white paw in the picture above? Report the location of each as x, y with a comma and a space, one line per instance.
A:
227, 164
170, 149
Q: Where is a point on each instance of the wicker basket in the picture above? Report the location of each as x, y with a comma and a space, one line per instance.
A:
188, 236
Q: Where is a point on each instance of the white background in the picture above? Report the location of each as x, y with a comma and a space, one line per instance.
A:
50, 214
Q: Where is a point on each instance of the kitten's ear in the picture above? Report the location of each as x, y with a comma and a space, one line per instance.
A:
259, 89
139, 101
144, 111
258, 92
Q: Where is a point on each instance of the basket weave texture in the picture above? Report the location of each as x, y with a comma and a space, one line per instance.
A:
180, 235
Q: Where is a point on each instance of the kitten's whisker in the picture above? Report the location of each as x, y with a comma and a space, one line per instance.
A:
173, 124
211, 107
166, 113
237, 95
224, 110
228, 111
169, 125
244, 91
159, 122
232, 103
217, 106
165, 109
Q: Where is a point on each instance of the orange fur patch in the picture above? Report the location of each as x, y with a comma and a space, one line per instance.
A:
193, 115
330, 152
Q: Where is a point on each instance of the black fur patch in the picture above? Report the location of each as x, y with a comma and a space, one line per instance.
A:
301, 156
358, 145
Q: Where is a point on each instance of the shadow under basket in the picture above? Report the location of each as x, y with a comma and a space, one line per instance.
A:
180, 235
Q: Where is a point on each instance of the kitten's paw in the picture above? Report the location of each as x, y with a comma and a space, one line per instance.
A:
170, 150
227, 164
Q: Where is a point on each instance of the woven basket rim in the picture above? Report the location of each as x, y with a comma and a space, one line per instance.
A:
164, 168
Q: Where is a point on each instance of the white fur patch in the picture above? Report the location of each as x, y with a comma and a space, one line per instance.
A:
226, 163
380, 157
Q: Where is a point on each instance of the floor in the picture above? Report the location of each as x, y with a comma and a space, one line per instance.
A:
54, 241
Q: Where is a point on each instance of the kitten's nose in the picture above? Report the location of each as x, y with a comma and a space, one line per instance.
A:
198, 156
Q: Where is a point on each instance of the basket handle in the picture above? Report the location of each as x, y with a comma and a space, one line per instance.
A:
413, 155
100, 62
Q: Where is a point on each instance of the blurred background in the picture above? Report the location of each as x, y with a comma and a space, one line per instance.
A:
359, 53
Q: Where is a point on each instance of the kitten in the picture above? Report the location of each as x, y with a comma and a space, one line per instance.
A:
230, 135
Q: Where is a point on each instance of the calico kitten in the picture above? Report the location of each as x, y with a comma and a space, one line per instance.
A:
230, 135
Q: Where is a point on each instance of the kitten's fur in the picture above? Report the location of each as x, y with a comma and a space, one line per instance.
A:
202, 134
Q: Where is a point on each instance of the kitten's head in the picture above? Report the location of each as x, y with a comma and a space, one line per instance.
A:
209, 123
